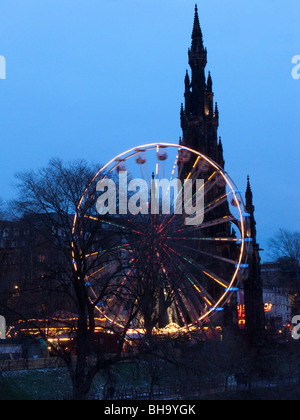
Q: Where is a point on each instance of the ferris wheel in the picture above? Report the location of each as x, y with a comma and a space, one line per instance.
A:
175, 246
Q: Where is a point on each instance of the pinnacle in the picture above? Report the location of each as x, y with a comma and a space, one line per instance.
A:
248, 182
248, 192
196, 28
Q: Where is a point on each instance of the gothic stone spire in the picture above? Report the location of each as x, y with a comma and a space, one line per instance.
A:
199, 116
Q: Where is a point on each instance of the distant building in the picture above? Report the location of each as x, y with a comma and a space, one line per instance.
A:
29, 268
280, 287
281, 282
36, 267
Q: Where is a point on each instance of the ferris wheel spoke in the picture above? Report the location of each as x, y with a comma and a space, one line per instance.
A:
181, 314
124, 227
206, 298
120, 309
216, 278
138, 227
116, 273
171, 308
126, 279
190, 309
219, 221
129, 285
110, 223
165, 222
197, 169
216, 203
203, 295
120, 297
178, 305
203, 270
194, 171
208, 184
183, 239
132, 316
109, 307
209, 300
204, 225
196, 300
99, 270
181, 311
206, 187
200, 308
215, 256
104, 252
211, 182
109, 285
179, 193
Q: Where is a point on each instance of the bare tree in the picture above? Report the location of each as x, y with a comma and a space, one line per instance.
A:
3, 209
3, 251
3, 215
70, 246
49, 199
286, 244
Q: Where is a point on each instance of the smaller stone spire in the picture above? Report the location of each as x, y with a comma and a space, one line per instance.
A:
249, 195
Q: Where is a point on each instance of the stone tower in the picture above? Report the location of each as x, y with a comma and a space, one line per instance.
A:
253, 294
199, 115
199, 118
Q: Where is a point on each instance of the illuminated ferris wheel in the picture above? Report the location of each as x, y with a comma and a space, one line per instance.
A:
175, 239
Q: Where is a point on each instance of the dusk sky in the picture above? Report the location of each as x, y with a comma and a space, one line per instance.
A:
90, 79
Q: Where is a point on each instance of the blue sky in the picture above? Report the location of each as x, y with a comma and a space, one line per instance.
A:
90, 79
